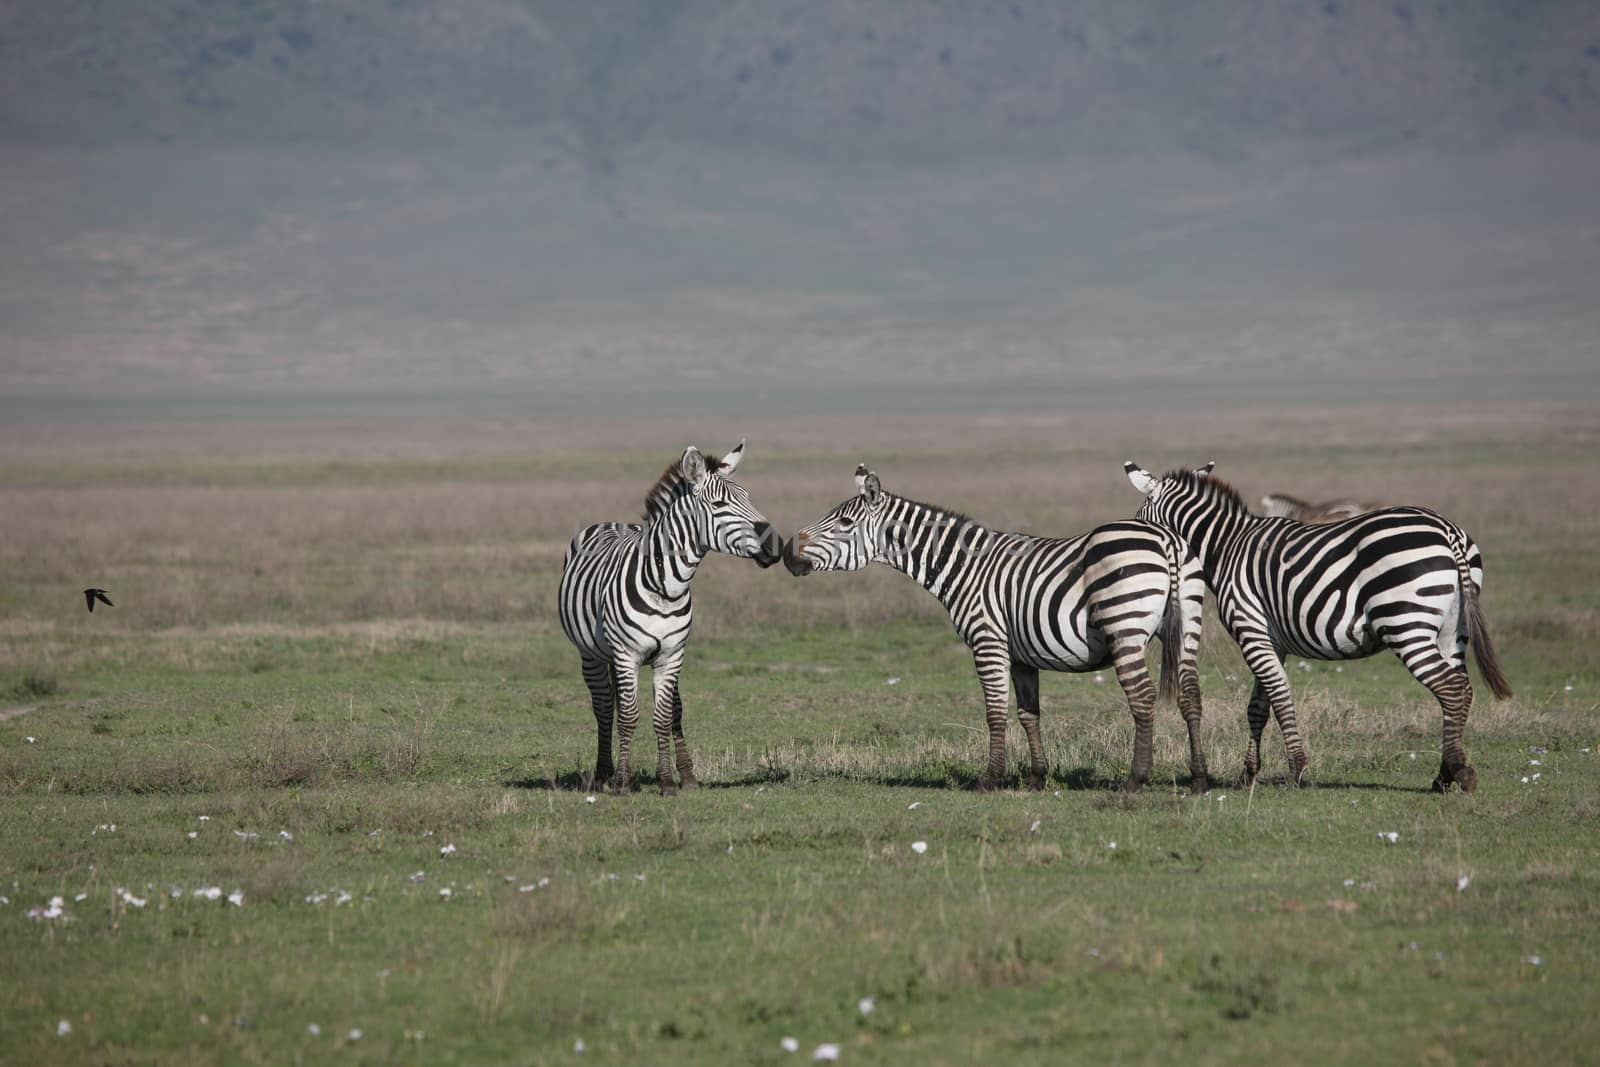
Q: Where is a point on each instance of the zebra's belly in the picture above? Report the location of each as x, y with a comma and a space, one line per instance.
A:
1071, 652
1353, 640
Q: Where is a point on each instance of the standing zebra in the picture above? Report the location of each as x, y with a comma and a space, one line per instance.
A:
1400, 578
1025, 604
625, 601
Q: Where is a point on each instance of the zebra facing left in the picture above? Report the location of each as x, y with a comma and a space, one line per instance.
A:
1402, 578
625, 603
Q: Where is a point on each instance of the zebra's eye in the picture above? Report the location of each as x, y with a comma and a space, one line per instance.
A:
845, 522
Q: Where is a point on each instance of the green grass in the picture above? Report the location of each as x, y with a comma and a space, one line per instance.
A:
335, 741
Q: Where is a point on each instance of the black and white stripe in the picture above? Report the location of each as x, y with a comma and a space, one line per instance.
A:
1400, 578
625, 603
1025, 604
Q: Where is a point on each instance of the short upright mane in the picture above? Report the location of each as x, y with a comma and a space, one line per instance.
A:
671, 486
958, 516
1210, 487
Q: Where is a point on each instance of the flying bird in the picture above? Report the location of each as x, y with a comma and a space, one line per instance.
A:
91, 595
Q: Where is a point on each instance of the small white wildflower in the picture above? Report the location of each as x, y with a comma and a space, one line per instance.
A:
1389, 836
760, 789
80, 898
1035, 827
1303, 665
589, 799
316, 898
789, 1044
63, 1028
354, 1034
892, 681
1221, 797
1338, 670
5, 901
446, 850
526, 888
246, 835
1367, 887
914, 805
1413, 757
1438, 957
446, 893
313, 1029
285, 835
342, 898
30, 740
867, 1005
104, 828
193, 835
638, 878
1462, 882
210, 892
175, 892
610, 877
1533, 763
1094, 952
919, 847
1099, 679
427, 833
578, 1045
130, 900
826, 1052
416, 879
1535, 961
1111, 844
203, 818
1349, 882
1568, 689
1536, 775
1057, 793
543, 882
236, 898
1524, 779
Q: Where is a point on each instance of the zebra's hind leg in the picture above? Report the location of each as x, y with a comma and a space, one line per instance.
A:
1128, 661
1189, 708
680, 746
1451, 686
992, 660
1272, 693
602, 698
667, 709
1025, 680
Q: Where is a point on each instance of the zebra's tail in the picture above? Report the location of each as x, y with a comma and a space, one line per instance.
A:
1171, 631
1478, 632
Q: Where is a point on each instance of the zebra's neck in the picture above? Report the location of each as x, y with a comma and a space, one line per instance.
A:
932, 546
1213, 531
673, 546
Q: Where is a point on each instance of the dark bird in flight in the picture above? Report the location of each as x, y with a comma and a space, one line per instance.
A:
91, 595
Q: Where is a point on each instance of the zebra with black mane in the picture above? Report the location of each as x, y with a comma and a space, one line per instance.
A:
1025, 604
625, 602
1402, 578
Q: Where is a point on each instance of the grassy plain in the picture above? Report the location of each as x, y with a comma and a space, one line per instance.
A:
334, 654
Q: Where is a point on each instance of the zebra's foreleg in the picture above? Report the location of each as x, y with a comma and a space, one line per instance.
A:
680, 745
602, 698
627, 686
1128, 661
992, 660
666, 710
1025, 680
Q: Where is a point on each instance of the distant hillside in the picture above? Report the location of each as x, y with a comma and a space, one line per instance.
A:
931, 79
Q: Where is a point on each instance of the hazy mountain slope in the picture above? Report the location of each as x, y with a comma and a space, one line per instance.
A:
939, 79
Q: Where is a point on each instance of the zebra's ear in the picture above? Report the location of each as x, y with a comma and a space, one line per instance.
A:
692, 466
1201, 472
730, 462
1139, 477
871, 488
861, 478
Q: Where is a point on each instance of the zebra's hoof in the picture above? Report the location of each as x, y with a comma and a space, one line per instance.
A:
1036, 783
984, 785
1467, 779
689, 783
1132, 784
1200, 784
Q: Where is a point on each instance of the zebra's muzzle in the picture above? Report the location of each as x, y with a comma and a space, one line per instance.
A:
797, 564
769, 545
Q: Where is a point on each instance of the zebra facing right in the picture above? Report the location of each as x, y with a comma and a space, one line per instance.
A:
1402, 578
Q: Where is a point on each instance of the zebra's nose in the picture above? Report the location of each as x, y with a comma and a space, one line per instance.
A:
769, 546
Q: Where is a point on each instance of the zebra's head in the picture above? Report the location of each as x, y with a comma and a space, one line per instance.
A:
1167, 497
845, 539
730, 523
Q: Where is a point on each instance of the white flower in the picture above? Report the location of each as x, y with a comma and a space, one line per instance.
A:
203, 818
1349, 882
1111, 844
892, 681
313, 1029
131, 900
1524, 779
638, 878
914, 805
29, 740
342, 898
236, 898
355, 1034
826, 1052
1035, 827
445, 893
1057, 793
1221, 797
316, 898
1568, 689
416, 879
1535, 961
1389, 836
445, 850
1304, 665
286, 835
210, 892
543, 882
1462, 882
174, 892
1536, 775
919, 847
578, 1045
246, 835
867, 1005
589, 799
1099, 679
63, 1028
1533, 763
80, 898
526, 888
1413, 757
789, 1044
104, 828
193, 834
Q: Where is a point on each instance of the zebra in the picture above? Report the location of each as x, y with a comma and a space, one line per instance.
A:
1403, 578
624, 602
1284, 506
1024, 604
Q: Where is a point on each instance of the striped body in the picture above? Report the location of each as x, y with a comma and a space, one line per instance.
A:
625, 604
1025, 604
1401, 578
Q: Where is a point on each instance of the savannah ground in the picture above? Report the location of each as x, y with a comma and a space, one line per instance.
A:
334, 656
